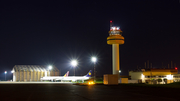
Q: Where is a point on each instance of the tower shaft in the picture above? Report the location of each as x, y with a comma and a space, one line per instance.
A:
115, 58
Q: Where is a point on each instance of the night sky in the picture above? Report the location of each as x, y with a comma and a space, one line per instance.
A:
48, 32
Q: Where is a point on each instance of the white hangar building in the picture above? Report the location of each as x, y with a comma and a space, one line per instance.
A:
28, 73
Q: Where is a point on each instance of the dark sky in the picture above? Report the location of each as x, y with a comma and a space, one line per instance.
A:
47, 32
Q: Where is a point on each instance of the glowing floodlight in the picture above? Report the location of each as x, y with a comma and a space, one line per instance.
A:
94, 59
74, 63
50, 67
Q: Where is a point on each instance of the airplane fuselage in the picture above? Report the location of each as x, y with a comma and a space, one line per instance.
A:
62, 78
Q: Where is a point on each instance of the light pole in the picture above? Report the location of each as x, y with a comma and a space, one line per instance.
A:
13, 75
49, 68
94, 59
5, 74
119, 73
74, 64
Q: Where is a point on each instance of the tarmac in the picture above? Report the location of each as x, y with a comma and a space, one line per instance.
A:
50, 91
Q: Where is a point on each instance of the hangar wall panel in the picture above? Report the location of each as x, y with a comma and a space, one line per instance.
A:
34, 75
38, 76
21, 76
17, 76
31, 76
52, 73
28, 76
56, 73
25, 76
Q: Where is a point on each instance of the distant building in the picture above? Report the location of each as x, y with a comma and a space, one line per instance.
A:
28, 73
152, 75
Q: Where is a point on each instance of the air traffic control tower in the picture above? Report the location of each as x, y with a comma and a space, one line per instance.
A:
115, 39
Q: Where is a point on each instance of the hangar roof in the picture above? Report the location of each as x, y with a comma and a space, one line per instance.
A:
33, 68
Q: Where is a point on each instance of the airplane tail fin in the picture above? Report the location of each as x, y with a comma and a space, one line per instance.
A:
89, 74
67, 74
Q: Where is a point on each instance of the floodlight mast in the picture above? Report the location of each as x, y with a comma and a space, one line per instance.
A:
115, 39
94, 59
74, 64
49, 68
5, 74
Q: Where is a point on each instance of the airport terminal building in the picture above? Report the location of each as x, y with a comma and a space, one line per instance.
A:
152, 74
29, 73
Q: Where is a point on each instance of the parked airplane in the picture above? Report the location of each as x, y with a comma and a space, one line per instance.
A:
68, 78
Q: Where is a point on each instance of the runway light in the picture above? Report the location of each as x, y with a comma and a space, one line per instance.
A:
90, 82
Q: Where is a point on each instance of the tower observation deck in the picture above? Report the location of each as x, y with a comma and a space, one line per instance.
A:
115, 39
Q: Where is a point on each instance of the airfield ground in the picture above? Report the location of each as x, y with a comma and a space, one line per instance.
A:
51, 91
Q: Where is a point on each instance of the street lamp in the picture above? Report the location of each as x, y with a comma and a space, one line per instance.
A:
74, 64
94, 59
49, 68
5, 74
13, 75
